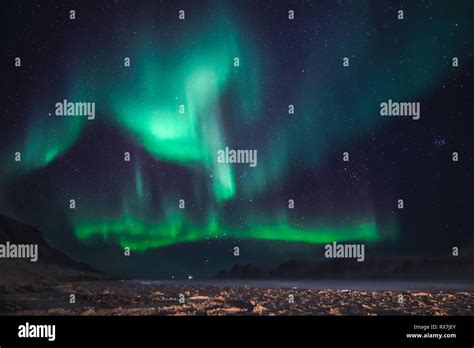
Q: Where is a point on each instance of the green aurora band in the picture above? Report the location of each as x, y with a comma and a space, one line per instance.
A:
133, 233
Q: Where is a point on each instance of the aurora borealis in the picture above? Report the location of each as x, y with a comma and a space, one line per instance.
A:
184, 97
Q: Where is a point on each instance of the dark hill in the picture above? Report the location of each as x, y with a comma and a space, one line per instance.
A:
53, 267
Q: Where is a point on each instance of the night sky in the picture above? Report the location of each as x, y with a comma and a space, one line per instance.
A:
190, 62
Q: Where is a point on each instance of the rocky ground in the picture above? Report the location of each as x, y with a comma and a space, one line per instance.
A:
125, 298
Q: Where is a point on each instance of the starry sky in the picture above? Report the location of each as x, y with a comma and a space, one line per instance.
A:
190, 62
